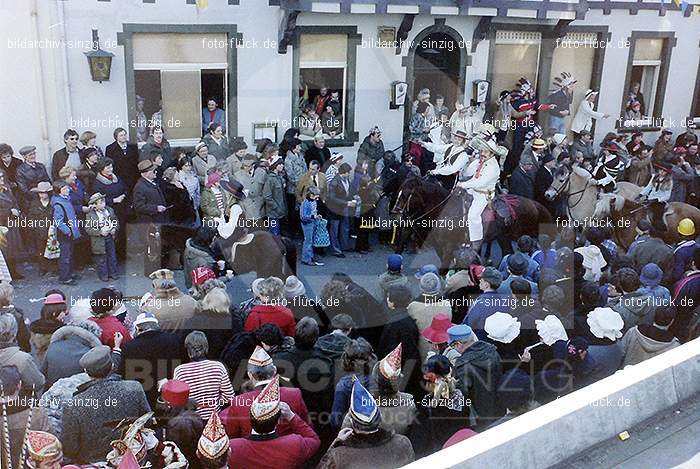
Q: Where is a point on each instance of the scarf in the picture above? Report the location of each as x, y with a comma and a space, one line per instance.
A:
482, 162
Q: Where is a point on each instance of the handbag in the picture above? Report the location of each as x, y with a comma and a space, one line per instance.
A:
52, 249
321, 237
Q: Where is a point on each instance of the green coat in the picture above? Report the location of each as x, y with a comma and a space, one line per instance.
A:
273, 193
92, 227
210, 210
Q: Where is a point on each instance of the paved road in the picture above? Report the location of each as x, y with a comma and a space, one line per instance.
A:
670, 439
362, 268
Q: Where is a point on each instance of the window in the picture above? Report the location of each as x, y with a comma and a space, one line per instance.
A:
647, 72
323, 78
175, 74
695, 105
515, 47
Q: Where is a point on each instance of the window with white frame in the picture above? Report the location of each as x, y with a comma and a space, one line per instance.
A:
643, 86
175, 75
323, 69
515, 47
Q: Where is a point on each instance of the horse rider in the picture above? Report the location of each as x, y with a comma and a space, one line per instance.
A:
455, 159
482, 185
657, 192
610, 166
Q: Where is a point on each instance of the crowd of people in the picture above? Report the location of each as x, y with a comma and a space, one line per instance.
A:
354, 377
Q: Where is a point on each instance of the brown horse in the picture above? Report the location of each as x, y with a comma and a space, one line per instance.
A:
439, 218
625, 214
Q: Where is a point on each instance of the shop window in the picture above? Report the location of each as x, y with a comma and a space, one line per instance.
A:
515, 47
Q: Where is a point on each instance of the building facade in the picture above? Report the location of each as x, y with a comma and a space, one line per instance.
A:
260, 59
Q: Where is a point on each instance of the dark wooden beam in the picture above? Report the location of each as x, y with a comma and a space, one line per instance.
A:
480, 31
402, 32
287, 29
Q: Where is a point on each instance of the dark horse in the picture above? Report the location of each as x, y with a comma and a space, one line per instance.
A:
258, 251
438, 218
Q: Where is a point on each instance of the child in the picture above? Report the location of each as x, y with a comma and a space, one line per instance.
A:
101, 225
309, 214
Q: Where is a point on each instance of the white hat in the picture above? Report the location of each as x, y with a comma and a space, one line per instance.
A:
80, 311
502, 327
550, 329
255, 286
593, 261
145, 300
605, 323
558, 138
144, 318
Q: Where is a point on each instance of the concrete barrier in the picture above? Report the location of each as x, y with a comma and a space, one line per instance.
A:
569, 425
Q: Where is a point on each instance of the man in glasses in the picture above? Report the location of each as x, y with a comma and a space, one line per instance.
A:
66, 156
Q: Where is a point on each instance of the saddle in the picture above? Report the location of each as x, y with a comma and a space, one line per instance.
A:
502, 209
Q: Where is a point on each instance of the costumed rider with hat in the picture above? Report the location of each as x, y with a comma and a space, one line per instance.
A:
454, 159
485, 173
657, 192
609, 167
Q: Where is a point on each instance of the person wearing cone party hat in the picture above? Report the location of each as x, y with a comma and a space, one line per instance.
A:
261, 371
365, 443
485, 173
43, 450
266, 448
213, 446
397, 408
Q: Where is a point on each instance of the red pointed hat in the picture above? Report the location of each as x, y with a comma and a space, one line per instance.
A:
390, 366
267, 403
214, 442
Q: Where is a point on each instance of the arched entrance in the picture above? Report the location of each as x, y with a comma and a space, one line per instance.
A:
437, 62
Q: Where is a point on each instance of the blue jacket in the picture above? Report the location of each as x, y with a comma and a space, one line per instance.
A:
484, 306
341, 399
533, 268
504, 289
77, 196
64, 217
219, 117
308, 211
683, 252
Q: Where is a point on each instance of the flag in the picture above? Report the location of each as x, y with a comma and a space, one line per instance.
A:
684, 6
202, 4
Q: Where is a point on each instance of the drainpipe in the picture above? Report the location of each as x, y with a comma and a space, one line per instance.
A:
64, 58
39, 76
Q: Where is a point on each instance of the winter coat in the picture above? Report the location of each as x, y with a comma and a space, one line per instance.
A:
373, 152
172, 308
14, 246
125, 163
656, 251
682, 253
86, 174
422, 311
78, 197
42, 330
221, 150
59, 160
88, 428
56, 398
637, 346
150, 357
201, 167
147, 197
163, 149
218, 327
635, 308
29, 177
17, 416
332, 345
478, 372
273, 193
183, 211
586, 149
639, 171
661, 149
338, 198
41, 217
93, 227
68, 345
275, 451
253, 203
294, 167
522, 183
682, 176
606, 355
64, 217
583, 120
210, 209
318, 154
400, 328
194, 257
274, 314
112, 188
387, 280
11, 170
110, 325
306, 181
379, 450
27, 367
23, 334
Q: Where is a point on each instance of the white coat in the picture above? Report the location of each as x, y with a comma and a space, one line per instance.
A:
583, 120
481, 187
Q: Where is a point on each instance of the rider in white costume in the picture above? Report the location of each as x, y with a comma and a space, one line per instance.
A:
454, 161
482, 185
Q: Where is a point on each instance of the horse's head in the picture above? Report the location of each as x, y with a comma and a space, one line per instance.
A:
409, 195
560, 181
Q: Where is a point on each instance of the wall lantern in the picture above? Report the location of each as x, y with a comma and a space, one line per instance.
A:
100, 61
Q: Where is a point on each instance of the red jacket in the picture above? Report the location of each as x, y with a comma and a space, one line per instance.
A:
110, 325
236, 417
271, 314
275, 451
